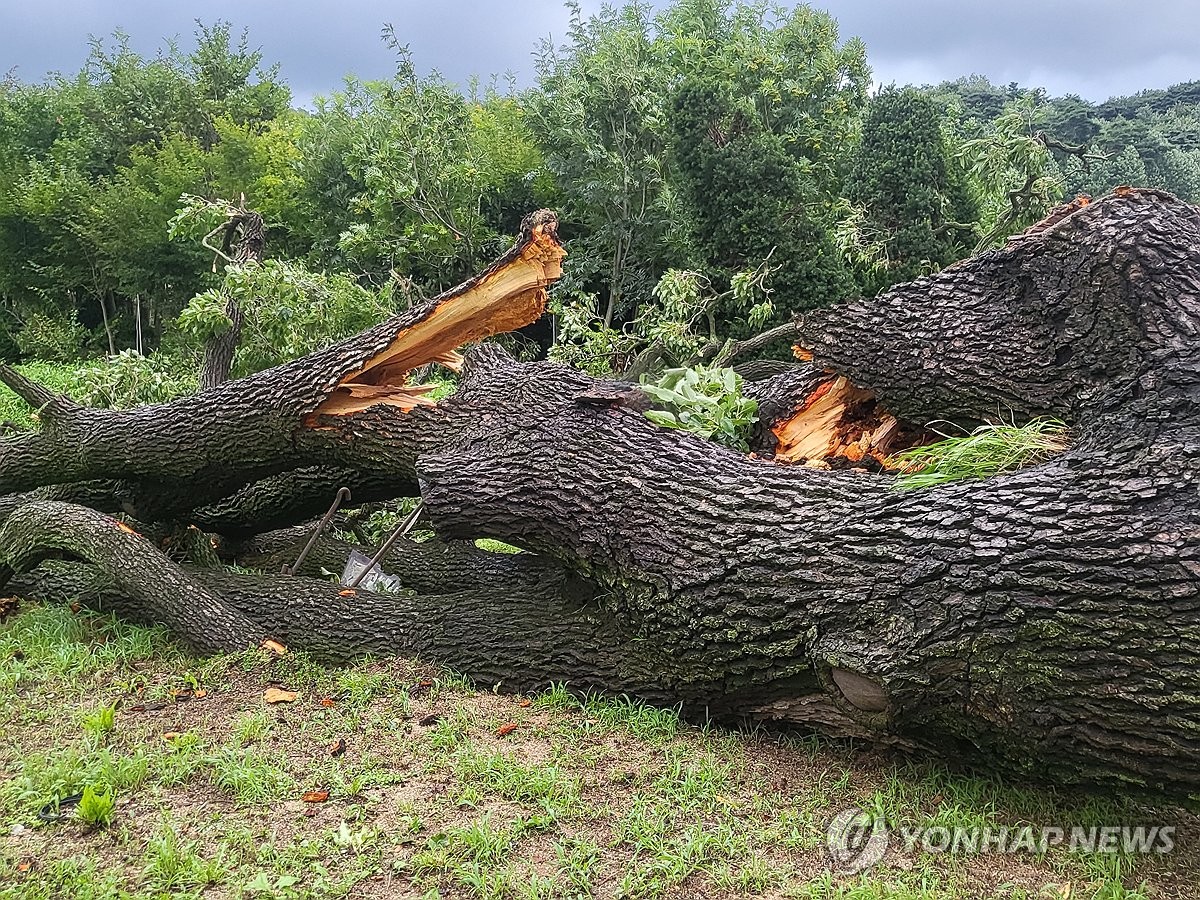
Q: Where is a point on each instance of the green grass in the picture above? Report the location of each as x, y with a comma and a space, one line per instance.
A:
61, 377
988, 450
494, 546
586, 797
173, 864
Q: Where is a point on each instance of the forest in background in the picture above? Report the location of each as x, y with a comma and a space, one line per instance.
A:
717, 167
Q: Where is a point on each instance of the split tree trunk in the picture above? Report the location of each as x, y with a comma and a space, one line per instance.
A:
1045, 622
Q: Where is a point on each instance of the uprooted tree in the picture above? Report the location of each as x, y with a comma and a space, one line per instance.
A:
1045, 621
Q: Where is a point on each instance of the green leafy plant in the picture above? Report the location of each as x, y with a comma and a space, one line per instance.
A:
130, 379
704, 401
173, 864
51, 339
100, 721
96, 808
986, 451
290, 310
679, 328
281, 886
204, 317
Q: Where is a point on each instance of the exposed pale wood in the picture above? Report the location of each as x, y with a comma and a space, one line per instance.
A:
503, 300
838, 420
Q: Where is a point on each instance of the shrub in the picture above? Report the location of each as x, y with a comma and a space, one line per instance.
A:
289, 311
51, 339
9, 350
704, 401
130, 379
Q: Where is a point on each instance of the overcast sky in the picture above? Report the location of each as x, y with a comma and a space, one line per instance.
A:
1096, 48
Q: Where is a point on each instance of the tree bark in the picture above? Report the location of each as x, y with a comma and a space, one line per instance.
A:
251, 239
1043, 622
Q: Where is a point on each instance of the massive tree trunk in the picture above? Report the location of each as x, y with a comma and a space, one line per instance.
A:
1045, 621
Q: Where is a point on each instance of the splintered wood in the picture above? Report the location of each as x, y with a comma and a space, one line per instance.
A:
841, 426
501, 300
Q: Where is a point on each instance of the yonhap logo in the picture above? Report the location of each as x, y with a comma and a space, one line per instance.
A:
856, 841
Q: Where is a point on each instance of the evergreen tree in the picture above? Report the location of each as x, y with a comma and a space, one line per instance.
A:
751, 198
913, 192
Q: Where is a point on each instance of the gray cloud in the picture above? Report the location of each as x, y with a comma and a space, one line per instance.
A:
1097, 48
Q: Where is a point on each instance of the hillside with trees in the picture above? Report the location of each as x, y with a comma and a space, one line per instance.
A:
718, 167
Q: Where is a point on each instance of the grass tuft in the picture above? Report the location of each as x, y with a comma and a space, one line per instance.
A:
96, 806
988, 450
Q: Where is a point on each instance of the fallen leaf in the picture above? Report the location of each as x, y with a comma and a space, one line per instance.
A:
182, 695
348, 592
315, 796
274, 646
74, 607
170, 735
338, 747
278, 695
328, 701
149, 706
25, 865
125, 528
526, 702
506, 729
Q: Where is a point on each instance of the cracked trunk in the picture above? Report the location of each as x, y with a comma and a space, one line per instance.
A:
1045, 621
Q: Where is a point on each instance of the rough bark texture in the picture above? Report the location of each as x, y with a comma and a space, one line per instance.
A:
251, 239
1045, 622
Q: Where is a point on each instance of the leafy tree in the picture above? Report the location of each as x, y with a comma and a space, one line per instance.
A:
289, 311
905, 175
633, 171
1012, 171
599, 116
1070, 119
414, 177
94, 166
753, 200
977, 97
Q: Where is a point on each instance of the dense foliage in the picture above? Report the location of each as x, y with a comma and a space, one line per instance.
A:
718, 164
905, 174
704, 401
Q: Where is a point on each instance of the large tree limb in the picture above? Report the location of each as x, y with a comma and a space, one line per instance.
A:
1045, 621
202, 448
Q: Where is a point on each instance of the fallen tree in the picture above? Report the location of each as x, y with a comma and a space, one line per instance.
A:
1045, 621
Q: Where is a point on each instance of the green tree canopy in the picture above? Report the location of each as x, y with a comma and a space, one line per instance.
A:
905, 175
